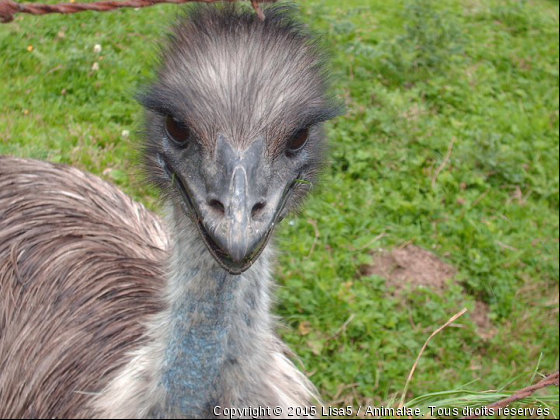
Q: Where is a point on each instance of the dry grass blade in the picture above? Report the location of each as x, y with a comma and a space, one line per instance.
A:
443, 163
342, 327
317, 236
411, 374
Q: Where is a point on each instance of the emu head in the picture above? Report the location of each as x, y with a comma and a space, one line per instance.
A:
233, 125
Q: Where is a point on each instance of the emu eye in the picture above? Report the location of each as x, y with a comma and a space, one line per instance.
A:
298, 140
177, 131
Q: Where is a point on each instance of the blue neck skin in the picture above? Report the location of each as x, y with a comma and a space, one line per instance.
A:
196, 347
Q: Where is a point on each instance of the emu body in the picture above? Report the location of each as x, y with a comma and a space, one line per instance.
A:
107, 312
81, 267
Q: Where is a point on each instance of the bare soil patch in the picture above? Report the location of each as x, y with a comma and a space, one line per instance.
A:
412, 266
485, 329
415, 267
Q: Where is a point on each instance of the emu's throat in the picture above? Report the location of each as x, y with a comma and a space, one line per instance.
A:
214, 320
197, 348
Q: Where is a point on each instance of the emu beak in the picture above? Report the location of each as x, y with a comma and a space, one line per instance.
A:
238, 213
237, 242
244, 212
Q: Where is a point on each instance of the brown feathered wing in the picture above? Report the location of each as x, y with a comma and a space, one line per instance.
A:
80, 270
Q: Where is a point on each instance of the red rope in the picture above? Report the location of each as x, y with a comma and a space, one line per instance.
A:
8, 8
551, 380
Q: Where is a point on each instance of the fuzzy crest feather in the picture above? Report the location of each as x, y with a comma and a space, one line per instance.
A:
224, 70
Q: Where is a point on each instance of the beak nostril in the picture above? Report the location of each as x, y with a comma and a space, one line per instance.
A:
257, 209
217, 206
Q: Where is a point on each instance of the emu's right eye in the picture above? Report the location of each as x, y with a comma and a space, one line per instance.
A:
299, 140
177, 131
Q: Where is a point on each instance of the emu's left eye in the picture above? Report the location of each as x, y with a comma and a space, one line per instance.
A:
177, 131
299, 140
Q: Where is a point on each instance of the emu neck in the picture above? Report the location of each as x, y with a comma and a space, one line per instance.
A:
214, 322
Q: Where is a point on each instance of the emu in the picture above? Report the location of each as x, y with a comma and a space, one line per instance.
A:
105, 311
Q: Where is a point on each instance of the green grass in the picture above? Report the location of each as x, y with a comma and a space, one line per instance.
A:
416, 76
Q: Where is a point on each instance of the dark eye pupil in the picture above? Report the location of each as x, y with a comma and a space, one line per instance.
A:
299, 140
177, 131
